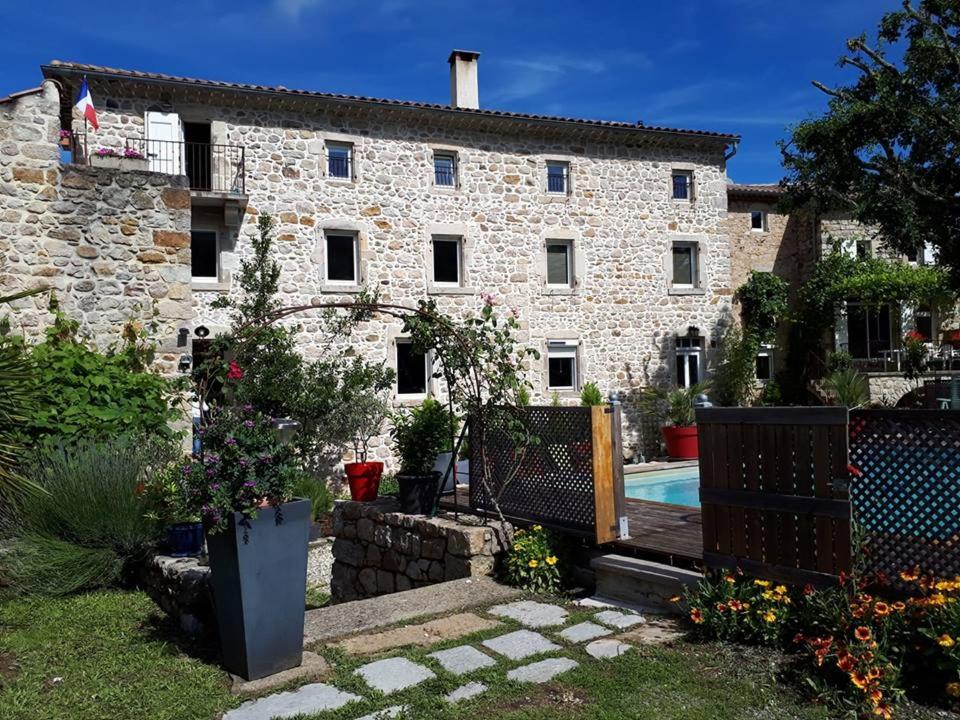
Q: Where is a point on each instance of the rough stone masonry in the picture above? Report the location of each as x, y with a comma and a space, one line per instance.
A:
380, 550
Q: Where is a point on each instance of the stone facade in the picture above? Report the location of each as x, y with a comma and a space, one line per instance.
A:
113, 245
380, 550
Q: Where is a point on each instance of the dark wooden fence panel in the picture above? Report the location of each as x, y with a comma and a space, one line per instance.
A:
773, 491
565, 477
905, 489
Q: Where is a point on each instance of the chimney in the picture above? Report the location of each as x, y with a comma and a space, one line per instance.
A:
464, 92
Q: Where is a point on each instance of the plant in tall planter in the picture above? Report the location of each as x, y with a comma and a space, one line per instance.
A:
418, 436
367, 386
241, 484
675, 408
167, 502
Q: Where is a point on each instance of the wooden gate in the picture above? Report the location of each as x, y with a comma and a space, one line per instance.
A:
773, 490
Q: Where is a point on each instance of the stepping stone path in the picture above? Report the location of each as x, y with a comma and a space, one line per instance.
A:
305, 700
466, 691
462, 659
385, 714
393, 674
520, 644
531, 614
618, 620
543, 671
603, 649
583, 632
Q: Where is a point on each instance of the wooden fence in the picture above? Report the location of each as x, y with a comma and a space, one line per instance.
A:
564, 470
773, 490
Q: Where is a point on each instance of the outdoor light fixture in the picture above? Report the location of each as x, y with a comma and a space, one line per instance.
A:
201, 331
286, 428
185, 362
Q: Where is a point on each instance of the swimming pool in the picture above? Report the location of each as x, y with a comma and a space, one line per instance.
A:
676, 486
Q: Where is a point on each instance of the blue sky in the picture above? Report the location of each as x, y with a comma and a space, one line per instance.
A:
740, 66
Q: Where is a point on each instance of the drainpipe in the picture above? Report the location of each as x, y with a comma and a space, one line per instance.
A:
734, 146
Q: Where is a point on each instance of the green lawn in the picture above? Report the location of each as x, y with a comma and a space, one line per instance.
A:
110, 656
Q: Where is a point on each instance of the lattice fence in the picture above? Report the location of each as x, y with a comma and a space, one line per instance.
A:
772, 489
905, 489
546, 479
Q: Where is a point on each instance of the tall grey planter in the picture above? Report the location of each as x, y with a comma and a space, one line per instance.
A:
259, 579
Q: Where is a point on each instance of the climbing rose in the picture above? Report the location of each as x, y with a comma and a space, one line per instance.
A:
234, 372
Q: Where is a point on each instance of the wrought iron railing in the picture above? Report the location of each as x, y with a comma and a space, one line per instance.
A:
209, 167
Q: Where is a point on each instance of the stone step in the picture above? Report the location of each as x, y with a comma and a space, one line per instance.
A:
641, 583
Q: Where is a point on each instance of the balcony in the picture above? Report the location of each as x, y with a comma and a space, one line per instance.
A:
213, 170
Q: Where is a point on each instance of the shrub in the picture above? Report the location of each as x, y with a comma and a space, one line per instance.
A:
317, 492
735, 376
531, 563
763, 300
839, 360
915, 355
590, 395
241, 467
90, 527
673, 406
849, 388
420, 435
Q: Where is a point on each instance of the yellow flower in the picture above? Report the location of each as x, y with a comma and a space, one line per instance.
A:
780, 589
520, 533
533, 563
552, 560
762, 583
537, 528
769, 616
946, 641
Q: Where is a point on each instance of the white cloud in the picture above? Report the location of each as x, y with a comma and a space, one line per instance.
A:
294, 8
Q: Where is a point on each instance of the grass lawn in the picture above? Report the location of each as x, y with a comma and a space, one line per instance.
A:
110, 656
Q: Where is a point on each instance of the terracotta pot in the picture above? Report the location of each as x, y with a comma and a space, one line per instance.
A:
681, 442
364, 480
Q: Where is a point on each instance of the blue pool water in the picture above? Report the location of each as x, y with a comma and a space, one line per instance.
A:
677, 486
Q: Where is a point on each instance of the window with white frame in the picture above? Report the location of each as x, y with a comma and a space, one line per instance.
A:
764, 363
682, 185
341, 258
447, 260
869, 330
413, 370
924, 324
340, 160
689, 360
559, 263
684, 265
445, 169
864, 248
758, 220
558, 177
204, 256
562, 364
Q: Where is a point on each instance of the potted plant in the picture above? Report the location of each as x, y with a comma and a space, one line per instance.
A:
418, 436
365, 416
126, 159
676, 410
167, 501
241, 484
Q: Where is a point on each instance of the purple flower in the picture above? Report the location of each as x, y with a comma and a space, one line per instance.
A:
230, 441
249, 484
214, 486
248, 424
187, 469
242, 462
211, 472
248, 408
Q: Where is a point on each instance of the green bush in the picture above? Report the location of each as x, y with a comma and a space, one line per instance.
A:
420, 435
532, 563
91, 526
735, 375
590, 395
848, 388
315, 490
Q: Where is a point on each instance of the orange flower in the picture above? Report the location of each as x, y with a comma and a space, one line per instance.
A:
910, 575
946, 641
874, 673
875, 697
953, 689
860, 680
899, 606
808, 589
696, 616
729, 578
845, 662
735, 605
862, 633
721, 607
881, 609
883, 711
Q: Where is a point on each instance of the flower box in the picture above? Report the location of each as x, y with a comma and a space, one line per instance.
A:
119, 162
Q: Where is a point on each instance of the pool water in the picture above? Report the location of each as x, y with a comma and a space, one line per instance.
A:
676, 486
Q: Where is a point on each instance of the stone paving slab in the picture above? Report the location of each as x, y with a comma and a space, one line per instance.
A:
305, 700
531, 614
465, 692
421, 634
312, 667
655, 631
542, 671
583, 632
462, 660
604, 649
385, 714
339, 621
393, 674
520, 644
618, 620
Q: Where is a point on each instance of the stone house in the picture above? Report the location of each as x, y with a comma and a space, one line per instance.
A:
608, 239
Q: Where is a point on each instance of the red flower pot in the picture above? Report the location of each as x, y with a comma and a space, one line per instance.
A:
364, 480
681, 442
953, 337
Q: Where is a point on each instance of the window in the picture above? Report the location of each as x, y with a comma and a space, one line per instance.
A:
340, 160
923, 322
412, 369
765, 363
447, 260
864, 249
561, 364
869, 330
204, 256
682, 185
560, 263
685, 265
758, 220
341, 259
445, 170
557, 177
689, 352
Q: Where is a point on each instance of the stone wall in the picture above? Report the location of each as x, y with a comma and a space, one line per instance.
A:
114, 245
380, 550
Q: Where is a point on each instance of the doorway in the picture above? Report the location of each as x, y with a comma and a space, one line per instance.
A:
197, 148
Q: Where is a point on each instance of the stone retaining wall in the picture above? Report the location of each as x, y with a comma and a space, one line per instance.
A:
380, 550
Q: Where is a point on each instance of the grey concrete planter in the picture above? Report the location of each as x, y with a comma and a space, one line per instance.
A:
259, 579
119, 162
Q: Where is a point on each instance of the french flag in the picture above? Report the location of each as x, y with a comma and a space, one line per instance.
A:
85, 105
